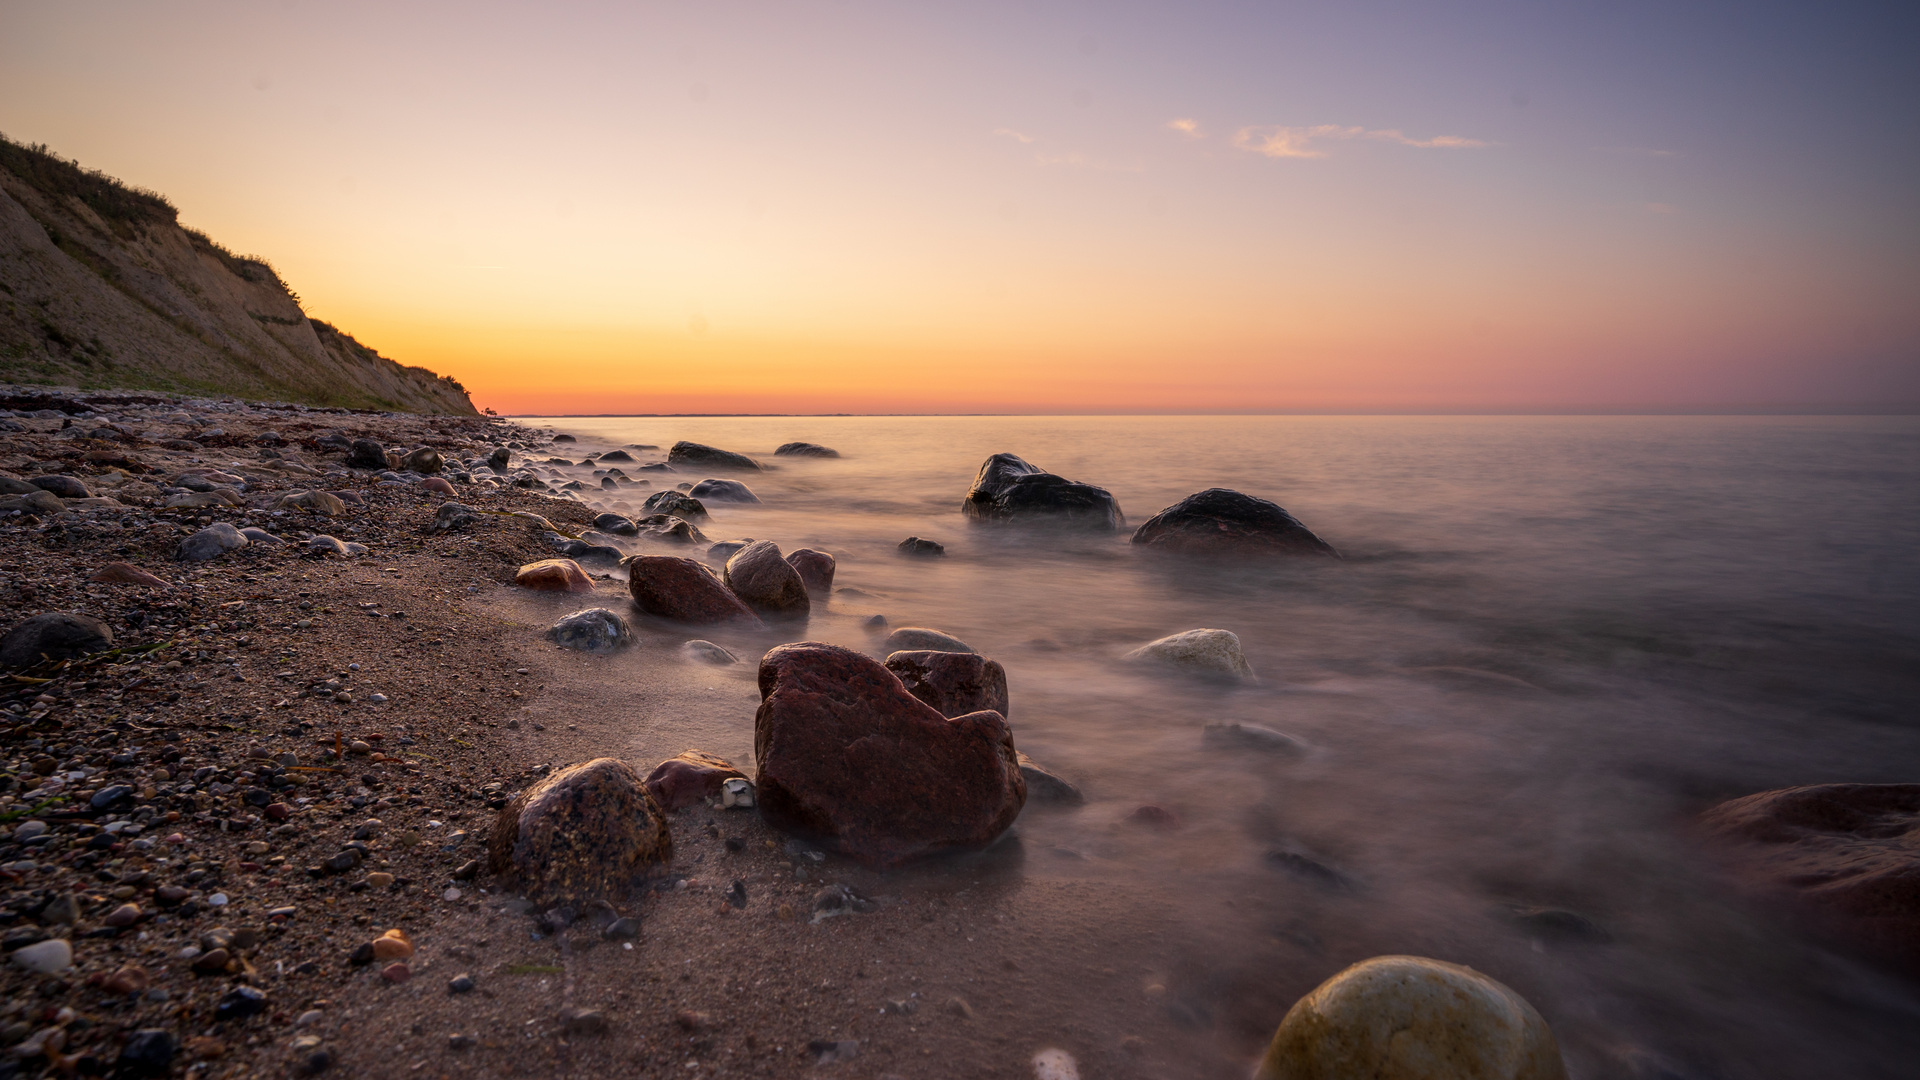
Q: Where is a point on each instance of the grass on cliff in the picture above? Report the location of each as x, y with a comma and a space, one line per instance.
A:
120, 205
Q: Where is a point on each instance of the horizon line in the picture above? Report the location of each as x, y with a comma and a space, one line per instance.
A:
1830, 410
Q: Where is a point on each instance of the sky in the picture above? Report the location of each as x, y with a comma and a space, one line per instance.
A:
1041, 206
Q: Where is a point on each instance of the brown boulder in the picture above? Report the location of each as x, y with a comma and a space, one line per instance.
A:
688, 778
954, 683
1848, 855
683, 590
120, 573
424, 460
848, 757
588, 832
815, 569
765, 581
554, 575
320, 502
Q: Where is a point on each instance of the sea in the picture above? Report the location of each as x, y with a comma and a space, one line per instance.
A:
1548, 644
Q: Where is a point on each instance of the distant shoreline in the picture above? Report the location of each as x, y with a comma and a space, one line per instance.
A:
1909, 410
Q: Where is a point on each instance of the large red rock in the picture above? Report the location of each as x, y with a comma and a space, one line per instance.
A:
1846, 854
683, 590
769, 584
849, 758
587, 832
689, 777
954, 683
554, 575
815, 569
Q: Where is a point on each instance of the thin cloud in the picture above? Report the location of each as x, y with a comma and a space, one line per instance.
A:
1299, 142
1187, 126
1016, 136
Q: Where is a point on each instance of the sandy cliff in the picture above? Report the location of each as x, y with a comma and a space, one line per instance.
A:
100, 286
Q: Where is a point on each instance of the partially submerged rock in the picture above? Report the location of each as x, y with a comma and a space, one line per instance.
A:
1220, 521
1846, 855
54, 635
617, 524
1410, 1018
956, 683
554, 575
669, 529
675, 504
804, 449
1046, 786
726, 491
689, 777
595, 630
209, 543
921, 639
683, 590
1010, 489
587, 832
920, 547
699, 454
1198, 652
815, 568
766, 582
706, 652
1234, 735
848, 757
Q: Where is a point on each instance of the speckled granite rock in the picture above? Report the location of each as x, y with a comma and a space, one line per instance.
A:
766, 582
683, 590
589, 831
815, 569
953, 682
1200, 652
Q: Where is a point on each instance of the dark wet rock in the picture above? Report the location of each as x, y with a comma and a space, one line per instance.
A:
1219, 521
453, 517
53, 636
366, 454
848, 757
683, 590
1154, 816
766, 582
914, 545
66, 487
921, 639
425, 460
594, 630
596, 555
815, 569
1845, 855
689, 777
726, 491
553, 575
725, 549
804, 449
1009, 489
34, 502
617, 524
209, 543
675, 504
616, 455
240, 1003
499, 459
956, 683
587, 832
1234, 735
1046, 786
1557, 924
147, 1052
670, 530
657, 466
699, 455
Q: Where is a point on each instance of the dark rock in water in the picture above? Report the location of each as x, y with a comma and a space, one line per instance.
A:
617, 524
53, 636
913, 545
804, 449
603, 555
594, 630
1046, 786
921, 639
815, 568
588, 832
658, 466
1558, 924
366, 454
669, 529
723, 491
1847, 855
676, 504
1010, 489
1154, 817
66, 487
699, 454
848, 757
453, 517
616, 455
768, 583
683, 590
564, 438
689, 777
874, 624
499, 459
724, 549
1218, 521
956, 683
209, 543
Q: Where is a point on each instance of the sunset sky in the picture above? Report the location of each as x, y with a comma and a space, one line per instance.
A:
1034, 207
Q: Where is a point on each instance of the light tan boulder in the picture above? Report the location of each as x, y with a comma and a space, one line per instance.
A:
320, 502
1411, 1018
1201, 652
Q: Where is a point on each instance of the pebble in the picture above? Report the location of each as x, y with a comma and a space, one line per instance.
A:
309, 1018
396, 973
450, 895
392, 945
379, 879
148, 1052
587, 1022
460, 984
1055, 1064
218, 899
128, 979
461, 1042
212, 963
623, 928
46, 957
123, 916
30, 829
958, 1006
240, 1003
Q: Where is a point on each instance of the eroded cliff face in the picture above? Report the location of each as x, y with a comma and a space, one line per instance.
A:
100, 286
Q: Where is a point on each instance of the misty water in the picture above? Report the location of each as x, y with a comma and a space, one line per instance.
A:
1550, 642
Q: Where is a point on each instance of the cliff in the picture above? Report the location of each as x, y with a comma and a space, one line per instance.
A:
101, 287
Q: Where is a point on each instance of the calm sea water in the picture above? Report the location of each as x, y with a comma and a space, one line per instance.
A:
1550, 643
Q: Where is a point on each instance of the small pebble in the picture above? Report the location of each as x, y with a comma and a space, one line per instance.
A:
218, 899
123, 916
1055, 1064
450, 895
309, 1018
379, 879
46, 957
396, 973
460, 984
